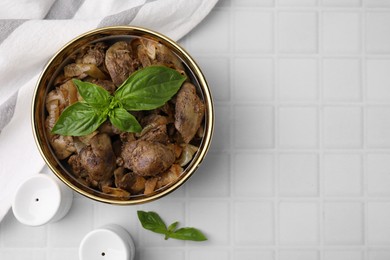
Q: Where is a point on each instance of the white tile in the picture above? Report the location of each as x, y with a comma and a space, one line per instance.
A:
298, 32
343, 127
297, 2
252, 3
298, 79
298, 174
378, 223
253, 31
298, 255
216, 226
249, 254
63, 253
379, 254
158, 254
212, 179
341, 3
378, 174
208, 254
378, 79
217, 72
170, 212
253, 126
23, 253
343, 223
341, 32
378, 127
342, 174
342, 255
81, 213
298, 223
253, 223
221, 137
250, 87
298, 127
223, 3
377, 3
212, 35
377, 32
253, 174
341, 79
14, 234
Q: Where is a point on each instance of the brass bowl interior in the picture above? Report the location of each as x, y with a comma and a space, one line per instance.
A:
44, 85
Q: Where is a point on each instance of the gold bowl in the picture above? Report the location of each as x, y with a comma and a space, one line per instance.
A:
45, 84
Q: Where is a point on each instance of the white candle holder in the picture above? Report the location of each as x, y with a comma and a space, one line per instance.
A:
110, 242
41, 199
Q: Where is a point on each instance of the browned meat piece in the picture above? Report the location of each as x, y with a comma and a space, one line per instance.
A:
139, 184
106, 84
154, 120
153, 53
109, 129
120, 62
189, 112
129, 181
123, 180
63, 146
57, 100
144, 50
98, 159
94, 54
116, 192
146, 158
164, 56
169, 176
74, 162
150, 185
155, 129
156, 134
82, 71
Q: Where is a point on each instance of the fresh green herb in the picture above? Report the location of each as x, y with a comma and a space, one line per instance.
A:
79, 119
145, 89
152, 221
149, 88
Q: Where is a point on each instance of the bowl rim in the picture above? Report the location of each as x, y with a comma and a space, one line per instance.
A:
203, 85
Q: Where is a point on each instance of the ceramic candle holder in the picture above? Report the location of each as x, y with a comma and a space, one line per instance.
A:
41, 199
111, 242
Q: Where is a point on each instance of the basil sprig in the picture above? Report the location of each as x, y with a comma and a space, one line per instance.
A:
145, 89
153, 222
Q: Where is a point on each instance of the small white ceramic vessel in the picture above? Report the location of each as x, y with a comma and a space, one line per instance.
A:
110, 242
41, 199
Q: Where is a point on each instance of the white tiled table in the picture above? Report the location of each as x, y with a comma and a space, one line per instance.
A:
299, 168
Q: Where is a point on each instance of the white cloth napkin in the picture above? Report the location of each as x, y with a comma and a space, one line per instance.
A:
32, 31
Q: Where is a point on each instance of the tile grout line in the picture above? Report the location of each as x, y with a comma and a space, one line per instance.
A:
275, 131
363, 47
320, 125
231, 151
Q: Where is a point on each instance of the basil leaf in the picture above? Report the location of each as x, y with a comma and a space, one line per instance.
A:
152, 221
149, 88
78, 119
94, 95
188, 233
124, 121
172, 227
